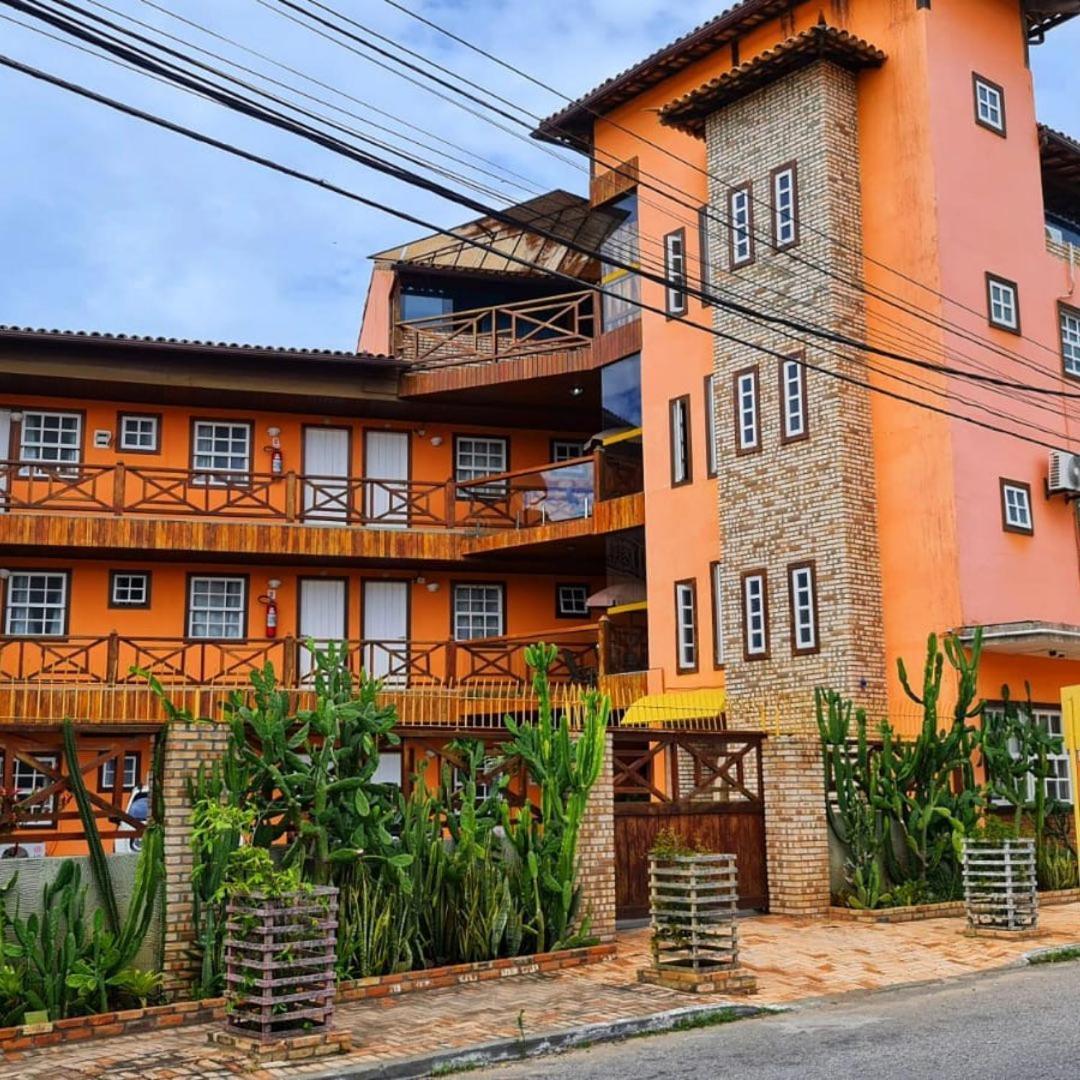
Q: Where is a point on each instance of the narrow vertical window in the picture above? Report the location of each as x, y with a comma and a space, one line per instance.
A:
785, 207
710, 426
989, 105
747, 413
705, 252
686, 624
716, 584
679, 418
802, 594
1070, 341
755, 616
1016, 507
793, 420
1002, 303
675, 272
740, 226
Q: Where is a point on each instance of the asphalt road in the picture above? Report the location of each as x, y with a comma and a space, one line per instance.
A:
1006, 1026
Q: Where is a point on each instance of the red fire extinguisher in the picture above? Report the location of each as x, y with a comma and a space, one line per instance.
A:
269, 601
276, 461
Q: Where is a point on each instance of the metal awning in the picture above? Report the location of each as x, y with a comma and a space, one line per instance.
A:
675, 706
1030, 638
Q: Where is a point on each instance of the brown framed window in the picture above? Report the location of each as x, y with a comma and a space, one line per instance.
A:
682, 471
479, 610
747, 411
675, 272
740, 226
1016, 512
217, 607
1070, 340
989, 104
785, 206
138, 433
755, 605
477, 456
1003, 303
221, 451
51, 438
802, 601
794, 421
129, 780
129, 588
37, 603
686, 636
571, 600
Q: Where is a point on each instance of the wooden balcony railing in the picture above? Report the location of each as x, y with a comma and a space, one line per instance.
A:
568, 321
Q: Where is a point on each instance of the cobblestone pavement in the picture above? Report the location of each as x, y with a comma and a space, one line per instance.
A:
793, 959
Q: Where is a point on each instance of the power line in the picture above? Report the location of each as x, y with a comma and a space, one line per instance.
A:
421, 223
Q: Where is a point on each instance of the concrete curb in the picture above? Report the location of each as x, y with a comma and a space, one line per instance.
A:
508, 1051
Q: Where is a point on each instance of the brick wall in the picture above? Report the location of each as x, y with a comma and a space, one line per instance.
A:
596, 852
796, 832
811, 499
188, 746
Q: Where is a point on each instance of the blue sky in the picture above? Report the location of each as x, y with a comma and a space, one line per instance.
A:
109, 224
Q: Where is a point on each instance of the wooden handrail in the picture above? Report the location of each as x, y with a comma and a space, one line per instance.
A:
498, 478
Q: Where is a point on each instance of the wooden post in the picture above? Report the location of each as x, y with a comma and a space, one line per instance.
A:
290, 662
451, 503
603, 640
119, 477
597, 482
451, 661
290, 496
112, 659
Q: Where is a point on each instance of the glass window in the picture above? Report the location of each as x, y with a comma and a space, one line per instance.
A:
572, 600
139, 433
1059, 782
679, 416
223, 449
803, 609
989, 105
741, 225
130, 589
130, 780
217, 607
478, 612
793, 399
1003, 309
675, 272
747, 437
785, 201
36, 604
711, 450
476, 457
424, 306
686, 624
755, 616
566, 449
716, 583
1070, 340
705, 251
51, 437
1016, 506
25, 779
621, 286
620, 392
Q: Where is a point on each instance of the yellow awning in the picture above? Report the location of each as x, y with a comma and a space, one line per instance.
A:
675, 706
622, 609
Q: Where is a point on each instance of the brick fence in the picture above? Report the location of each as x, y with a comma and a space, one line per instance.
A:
596, 851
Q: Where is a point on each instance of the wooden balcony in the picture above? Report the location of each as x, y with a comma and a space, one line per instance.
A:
99, 680
549, 324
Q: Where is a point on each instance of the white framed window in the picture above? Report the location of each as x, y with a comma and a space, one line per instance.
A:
52, 438
711, 459
1059, 780
217, 607
36, 604
25, 779
1016, 506
785, 201
716, 584
793, 401
1003, 307
804, 621
679, 420
705, 252
571, 601
675, 272
740, 226
686, 625
129, 780
479, 611
129, 588
1070, 340
566, 449
139, 434
989, 104
755, 615
476, 456
223, 449
747, 415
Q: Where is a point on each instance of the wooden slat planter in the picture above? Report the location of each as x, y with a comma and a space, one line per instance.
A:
695, 942
279, 955
1000, 886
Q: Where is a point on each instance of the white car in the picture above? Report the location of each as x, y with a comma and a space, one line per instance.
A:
138, 807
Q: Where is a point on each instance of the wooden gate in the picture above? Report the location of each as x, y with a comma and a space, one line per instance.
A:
704, 786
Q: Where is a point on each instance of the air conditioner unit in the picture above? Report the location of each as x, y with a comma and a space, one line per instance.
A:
1064, 474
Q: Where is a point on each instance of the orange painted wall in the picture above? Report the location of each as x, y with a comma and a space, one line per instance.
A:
376, 329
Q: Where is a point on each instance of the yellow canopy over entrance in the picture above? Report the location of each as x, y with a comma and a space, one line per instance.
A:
675, 706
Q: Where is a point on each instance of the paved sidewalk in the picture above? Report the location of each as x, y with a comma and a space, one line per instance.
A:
794, 960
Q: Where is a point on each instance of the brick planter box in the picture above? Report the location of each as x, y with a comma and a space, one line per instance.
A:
15, 1040
951, 910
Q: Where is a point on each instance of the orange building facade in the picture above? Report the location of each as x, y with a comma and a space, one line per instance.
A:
656, 424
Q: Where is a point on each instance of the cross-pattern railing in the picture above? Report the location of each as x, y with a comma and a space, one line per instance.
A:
567, 321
